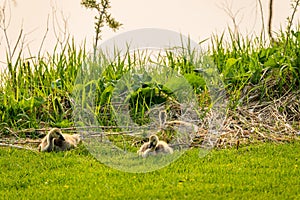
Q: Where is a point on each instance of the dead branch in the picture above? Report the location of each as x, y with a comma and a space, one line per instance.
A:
17, 147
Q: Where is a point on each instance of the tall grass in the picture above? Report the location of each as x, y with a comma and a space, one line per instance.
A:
251, 66
37, 92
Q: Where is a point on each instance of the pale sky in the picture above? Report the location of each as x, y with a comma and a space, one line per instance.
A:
197, 18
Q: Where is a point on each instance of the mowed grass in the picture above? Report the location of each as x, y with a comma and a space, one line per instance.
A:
266, 171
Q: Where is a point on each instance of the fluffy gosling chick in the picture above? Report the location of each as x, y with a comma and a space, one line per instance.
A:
153, 147
55, 140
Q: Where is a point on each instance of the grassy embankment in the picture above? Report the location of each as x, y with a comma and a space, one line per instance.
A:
260, 81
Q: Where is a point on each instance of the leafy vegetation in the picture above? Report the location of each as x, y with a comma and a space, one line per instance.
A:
271, 71
37, 91
265, 171
261, 80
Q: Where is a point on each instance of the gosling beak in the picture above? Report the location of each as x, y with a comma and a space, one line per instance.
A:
151, 145
61, 138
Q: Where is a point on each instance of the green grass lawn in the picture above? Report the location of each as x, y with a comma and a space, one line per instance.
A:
267, 171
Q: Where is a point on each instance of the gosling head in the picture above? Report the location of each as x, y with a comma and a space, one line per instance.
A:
153, 141
61, 137
56, 133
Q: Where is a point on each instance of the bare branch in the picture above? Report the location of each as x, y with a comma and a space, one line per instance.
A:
227, 8
16, 146
44, 38
61, 34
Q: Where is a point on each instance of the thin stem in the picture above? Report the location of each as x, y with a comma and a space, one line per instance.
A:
290, 22
270, 20
262, 20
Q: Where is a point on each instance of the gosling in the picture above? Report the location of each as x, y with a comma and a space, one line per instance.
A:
55, 140
154, 147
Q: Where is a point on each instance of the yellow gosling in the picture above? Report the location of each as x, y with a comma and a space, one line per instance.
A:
154, 147
55, 140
